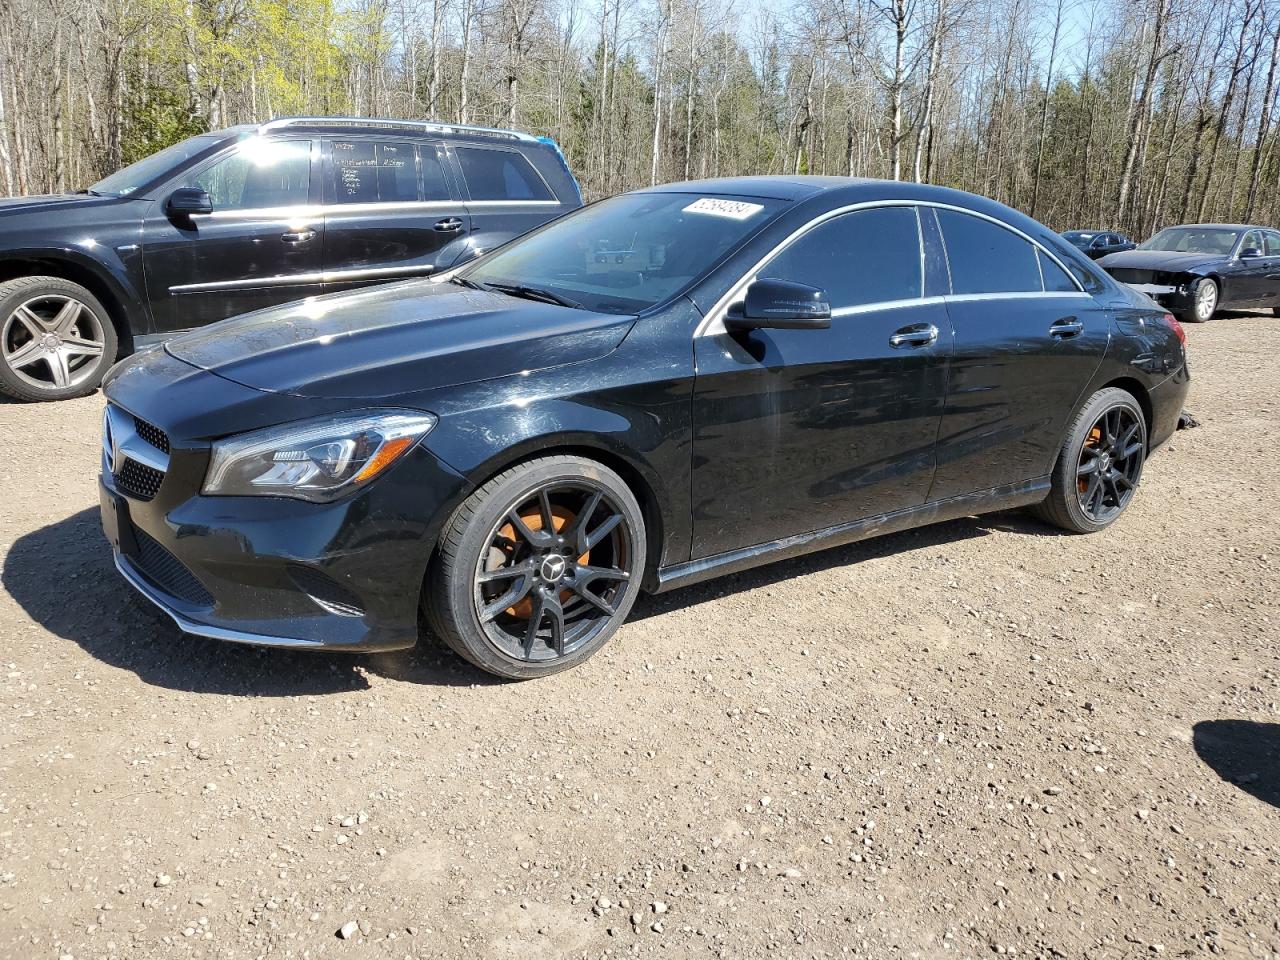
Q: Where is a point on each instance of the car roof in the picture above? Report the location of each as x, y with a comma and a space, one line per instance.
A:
430, 128
1218, 226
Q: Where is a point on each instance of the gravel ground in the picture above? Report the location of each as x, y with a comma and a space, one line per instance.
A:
982, 737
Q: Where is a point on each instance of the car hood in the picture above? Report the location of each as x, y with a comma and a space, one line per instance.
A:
397, 339
1159, 260
24, 204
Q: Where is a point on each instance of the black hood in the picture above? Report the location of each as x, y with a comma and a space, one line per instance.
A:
24, 204
1160, 260
396, 340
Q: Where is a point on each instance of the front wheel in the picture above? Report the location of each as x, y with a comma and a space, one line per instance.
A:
56, 339
1100, 464
1204, 302
538, 568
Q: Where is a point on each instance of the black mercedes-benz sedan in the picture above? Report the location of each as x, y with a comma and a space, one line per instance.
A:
663, 387
1096, 244
1198, 269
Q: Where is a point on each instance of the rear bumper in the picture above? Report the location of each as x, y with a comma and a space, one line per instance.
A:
1167, 400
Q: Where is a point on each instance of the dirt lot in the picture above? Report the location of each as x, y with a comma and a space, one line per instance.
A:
978, 738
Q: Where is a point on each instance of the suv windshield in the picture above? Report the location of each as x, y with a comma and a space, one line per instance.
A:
628, 253
1193, 240
134, 177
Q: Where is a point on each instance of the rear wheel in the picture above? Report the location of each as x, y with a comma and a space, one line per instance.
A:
1204, 302
538, 568
56, 339
1100, 464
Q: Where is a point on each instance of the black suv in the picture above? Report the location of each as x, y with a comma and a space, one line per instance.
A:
249, 217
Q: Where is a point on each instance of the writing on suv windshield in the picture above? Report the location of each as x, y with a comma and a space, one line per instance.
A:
625, 254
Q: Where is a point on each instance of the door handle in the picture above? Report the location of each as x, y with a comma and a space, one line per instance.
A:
916, 335
297, 236
449, 225
1066, 327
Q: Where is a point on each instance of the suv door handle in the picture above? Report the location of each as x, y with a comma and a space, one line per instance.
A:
916, 335
449, 225
297, 236
1066, 327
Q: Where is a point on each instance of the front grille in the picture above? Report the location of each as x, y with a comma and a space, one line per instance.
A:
168, 572
152, 434
328, 594
138, 480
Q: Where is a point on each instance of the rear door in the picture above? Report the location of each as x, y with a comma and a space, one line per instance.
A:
1027, 341
391, 211
506, 196
1249, 279
1270, 286
260, 246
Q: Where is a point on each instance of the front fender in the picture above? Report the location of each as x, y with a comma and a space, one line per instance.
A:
113, 271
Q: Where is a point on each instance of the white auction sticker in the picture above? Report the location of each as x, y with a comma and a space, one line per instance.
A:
733, 209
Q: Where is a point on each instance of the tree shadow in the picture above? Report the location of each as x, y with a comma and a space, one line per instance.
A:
63, 576
1242, 752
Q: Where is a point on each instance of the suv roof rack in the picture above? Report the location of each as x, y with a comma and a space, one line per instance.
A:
428, 126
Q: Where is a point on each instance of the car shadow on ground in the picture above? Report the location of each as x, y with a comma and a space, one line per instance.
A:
1244, 753
62, 575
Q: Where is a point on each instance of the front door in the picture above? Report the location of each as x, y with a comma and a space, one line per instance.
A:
799, 430
1027, 342
390, 211
260, 246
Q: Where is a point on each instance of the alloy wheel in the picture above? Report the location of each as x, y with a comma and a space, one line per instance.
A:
1110, 464
554, 570
52, 341
1206, 300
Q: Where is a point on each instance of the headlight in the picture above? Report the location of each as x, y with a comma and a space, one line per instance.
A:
318, 460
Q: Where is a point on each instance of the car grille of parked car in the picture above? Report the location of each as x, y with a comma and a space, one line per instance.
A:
168, 573
138, 480
152, 434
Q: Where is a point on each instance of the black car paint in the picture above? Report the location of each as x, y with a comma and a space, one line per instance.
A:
1243, 282
148, 266
742, 448
1097, 246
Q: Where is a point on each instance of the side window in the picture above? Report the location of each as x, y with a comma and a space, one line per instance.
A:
1253, 240
500, 175
1273, 244
1055, 278
363, 171
871, 256
434, 185
986, 258
260, 173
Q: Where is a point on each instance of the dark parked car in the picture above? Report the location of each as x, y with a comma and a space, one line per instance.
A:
1198, 269
1098, 243
250, 217
755, 368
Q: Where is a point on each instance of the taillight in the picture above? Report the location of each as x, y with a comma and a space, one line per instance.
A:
1172, 323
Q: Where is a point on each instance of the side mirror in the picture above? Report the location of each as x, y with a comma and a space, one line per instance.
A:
781, 305
1249, 252
188, 201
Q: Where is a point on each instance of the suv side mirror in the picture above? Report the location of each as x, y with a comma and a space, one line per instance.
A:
188, 201
781, 305
1249, 252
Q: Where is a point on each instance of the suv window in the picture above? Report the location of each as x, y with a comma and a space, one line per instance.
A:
871, 256
368, 171
986, 258
500, 175
259, 173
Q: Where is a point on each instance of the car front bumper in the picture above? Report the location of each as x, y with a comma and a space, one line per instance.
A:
287, 573
1171, 298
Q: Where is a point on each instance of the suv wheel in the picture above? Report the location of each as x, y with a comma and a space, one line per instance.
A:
538, 568
56, 339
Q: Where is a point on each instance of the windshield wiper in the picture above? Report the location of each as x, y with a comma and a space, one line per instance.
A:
534, 293
469, 284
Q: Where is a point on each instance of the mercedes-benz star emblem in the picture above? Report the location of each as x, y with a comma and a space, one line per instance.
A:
552, 569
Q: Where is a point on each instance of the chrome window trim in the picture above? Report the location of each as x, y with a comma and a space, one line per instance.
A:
313, 211
713, 323
301, 279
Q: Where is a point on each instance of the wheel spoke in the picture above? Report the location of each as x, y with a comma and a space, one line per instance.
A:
1091, 492
546, 606
58, 368
544, 506
24, 356
1120, 478
578, 530
530, 536
80, 347
581, 590
1128, 452
1087, 468
1128, 436
34, 323
66, 318
506, 573
603, 530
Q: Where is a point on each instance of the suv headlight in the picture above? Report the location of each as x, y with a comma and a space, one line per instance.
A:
318, 460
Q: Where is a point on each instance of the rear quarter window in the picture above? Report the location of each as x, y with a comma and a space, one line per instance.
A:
500, 175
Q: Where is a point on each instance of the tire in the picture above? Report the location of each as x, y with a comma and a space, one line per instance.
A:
1077, 501
1205, 298
477, 600
56, 339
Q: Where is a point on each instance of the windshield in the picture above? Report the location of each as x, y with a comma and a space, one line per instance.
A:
628, 253
134, 177
1194, 240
